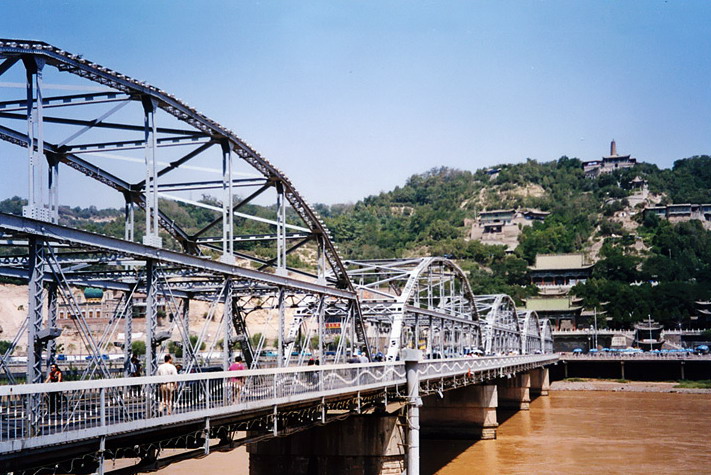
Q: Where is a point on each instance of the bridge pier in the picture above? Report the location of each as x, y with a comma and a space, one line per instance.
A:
464, 413
372, 443
540, 382
514, 393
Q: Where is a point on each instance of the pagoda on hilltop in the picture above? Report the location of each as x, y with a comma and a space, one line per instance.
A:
609, 163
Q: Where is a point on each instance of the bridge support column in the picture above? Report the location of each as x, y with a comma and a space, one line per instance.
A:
360, 444
464, 413
514, 393
540, 382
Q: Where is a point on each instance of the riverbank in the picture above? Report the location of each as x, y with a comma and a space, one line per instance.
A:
627, 386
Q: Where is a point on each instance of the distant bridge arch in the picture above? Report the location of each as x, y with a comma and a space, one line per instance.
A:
546, 336
531, 340
502, 333
425, 303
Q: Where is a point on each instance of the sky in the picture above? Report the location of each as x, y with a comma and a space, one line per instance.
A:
350, 98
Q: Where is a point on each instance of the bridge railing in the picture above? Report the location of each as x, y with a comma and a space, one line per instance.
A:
38, 415
433, 369
43, 414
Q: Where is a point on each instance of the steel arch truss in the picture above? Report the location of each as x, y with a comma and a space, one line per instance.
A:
173, 145
423, 303
152, 149
55, 271
546, 336
501, 330
531, 341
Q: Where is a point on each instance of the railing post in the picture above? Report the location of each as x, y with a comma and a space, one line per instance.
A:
207, 436
102, 406
412, 360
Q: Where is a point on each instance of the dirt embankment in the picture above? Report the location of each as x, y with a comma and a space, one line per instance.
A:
630, 386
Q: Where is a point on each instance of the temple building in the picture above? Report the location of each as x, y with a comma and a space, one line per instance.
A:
96, 305
99, 306
503, 226
683, 212
609, 163
557, 273
563, 312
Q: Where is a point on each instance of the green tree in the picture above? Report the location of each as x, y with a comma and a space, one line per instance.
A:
138, 348
4, 346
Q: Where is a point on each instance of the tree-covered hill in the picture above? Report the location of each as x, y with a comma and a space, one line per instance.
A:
431, 215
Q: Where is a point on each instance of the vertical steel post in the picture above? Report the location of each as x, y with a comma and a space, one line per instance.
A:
280, 339
412, 359
227, 328
321, 310
101, 455
228, 227
36, 207
281, 230
321, 260
188, 353
34, 346
351, 327
206, 447
35, 307
128, 331
128, 220
152, 237
151, 317
53, 186
52, 304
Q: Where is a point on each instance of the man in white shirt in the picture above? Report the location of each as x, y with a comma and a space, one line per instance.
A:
166, 389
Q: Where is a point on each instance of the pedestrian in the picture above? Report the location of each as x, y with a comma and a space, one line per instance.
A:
167, 388
133, 366
54, 376
237, 383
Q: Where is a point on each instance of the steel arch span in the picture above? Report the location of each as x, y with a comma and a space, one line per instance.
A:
185, 131
546, 336
239, 259
423, 303
502, 333
153, 150
531, 341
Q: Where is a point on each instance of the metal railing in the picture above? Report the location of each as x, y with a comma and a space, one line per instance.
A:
433, 369
37, 415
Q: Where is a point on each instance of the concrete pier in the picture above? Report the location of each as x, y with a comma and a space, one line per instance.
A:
540, 382
514, 393
464, 413
365, 444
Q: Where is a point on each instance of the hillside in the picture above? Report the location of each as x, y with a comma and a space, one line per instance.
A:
602, 217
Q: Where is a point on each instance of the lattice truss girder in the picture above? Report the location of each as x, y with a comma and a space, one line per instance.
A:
176, 147
175, 279
83, 131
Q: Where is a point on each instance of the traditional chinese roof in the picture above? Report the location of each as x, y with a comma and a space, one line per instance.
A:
560, 262
556, 304
497, 211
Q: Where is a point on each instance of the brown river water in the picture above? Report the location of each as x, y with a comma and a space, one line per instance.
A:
568, 432
581, 432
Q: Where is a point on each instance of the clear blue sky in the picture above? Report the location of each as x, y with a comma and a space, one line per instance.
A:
351, 98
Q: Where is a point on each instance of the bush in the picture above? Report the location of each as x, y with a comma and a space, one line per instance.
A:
138, 348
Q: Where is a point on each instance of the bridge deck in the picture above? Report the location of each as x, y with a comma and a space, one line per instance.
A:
42, 415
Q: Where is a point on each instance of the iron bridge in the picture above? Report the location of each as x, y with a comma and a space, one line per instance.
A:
264, 268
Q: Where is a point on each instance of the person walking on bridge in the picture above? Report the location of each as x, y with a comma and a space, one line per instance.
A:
166, 389
237, 383
55, 401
